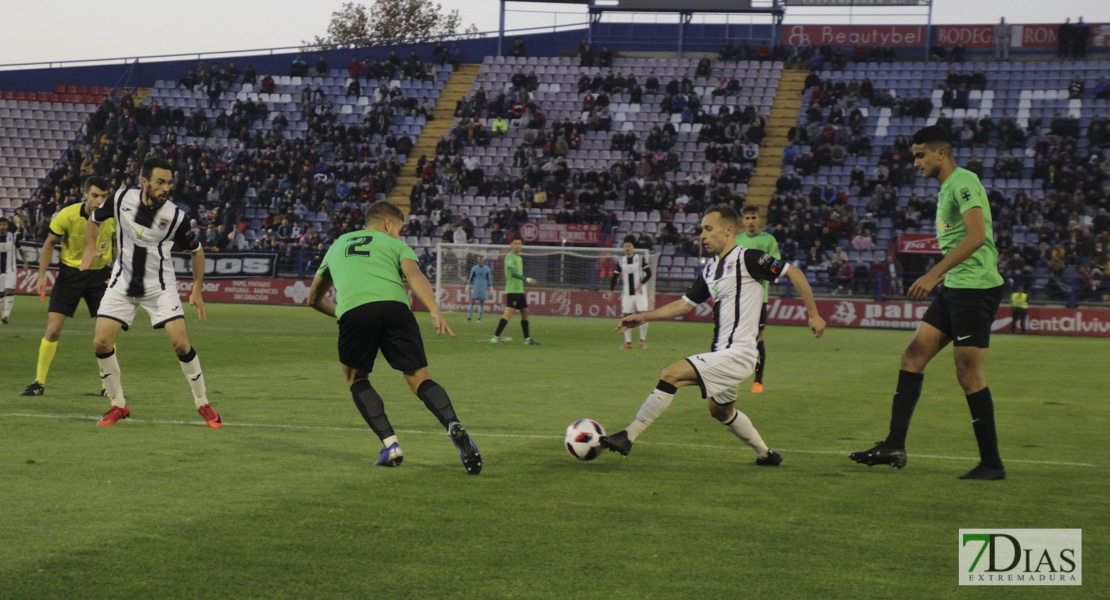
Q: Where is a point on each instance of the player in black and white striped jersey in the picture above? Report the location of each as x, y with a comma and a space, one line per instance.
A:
633, 274
148, 228
732, 279
9, 246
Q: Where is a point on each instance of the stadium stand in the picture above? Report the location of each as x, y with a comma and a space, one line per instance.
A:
282, 163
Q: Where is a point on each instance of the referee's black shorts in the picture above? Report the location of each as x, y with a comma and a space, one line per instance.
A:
387, 326
73, 284
517, 301
965, 314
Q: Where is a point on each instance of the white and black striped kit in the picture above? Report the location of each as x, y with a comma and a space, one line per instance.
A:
733, 284
145, 237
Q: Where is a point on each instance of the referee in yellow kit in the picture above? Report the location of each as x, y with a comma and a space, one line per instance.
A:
72, 284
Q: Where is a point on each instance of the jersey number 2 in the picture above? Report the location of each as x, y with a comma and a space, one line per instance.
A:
354, 248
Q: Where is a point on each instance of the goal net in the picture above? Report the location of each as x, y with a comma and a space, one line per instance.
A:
570, 281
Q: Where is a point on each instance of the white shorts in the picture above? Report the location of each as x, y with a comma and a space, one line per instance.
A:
7, 281
162, 307
720, 373
634, 304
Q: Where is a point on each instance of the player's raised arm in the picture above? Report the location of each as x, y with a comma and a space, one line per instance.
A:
674, 309
798, 278
423, 292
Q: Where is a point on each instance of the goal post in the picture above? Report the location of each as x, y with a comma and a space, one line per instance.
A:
571, 281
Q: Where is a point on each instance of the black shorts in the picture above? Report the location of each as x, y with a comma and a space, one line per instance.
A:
763, 317
965, 314
517, 301
73, 284
387, 326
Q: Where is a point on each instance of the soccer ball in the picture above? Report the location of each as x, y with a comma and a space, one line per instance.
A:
584, 439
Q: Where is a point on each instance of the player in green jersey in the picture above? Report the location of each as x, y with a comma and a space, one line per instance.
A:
755, 238
962, 312
514, 293
374, 314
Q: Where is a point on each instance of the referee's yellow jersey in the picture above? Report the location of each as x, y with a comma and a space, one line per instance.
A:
69, 224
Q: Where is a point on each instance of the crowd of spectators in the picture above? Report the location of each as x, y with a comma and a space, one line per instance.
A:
1053, 238
1062, 229
333, 168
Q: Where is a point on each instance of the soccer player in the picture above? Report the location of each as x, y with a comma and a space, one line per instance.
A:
71, 285
755, 238
148, 228
374, 314
730, 278
962, 312
635, 273
8, 248
481, 278
514, 293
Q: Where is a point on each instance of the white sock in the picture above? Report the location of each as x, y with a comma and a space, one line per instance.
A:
8, 301
110, 379
195, 377
654, 406
741, 426
389, 441
628, 336
643, 332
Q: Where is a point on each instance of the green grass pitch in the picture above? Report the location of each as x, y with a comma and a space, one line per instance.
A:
283, 501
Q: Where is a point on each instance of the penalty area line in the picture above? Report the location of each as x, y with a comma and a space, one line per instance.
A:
199, 423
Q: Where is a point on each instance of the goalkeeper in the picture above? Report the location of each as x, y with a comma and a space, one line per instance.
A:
481, 278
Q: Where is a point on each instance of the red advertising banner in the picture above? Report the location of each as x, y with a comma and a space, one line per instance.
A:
1021, 36
1089, 322
898, 36
246, 291
904, 36
557, 233
918, 243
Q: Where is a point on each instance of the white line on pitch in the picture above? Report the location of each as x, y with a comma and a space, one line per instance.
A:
509, 435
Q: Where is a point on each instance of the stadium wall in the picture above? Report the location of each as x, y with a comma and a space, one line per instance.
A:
856, 314
659, 38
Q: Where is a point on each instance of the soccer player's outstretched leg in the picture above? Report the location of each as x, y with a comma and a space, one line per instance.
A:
374, 315
962, 312
730, 278
148, 227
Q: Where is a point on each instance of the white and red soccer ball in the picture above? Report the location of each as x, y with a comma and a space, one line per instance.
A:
583, 439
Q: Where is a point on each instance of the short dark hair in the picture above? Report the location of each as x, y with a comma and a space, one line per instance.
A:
3, 219
749, 208
98, 181
933, 136
382, 210
629, 239
727, 214
155, 163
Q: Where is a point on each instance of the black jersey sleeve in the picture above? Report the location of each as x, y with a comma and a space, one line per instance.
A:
698, 292
763, 266
185, 240
108, 209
